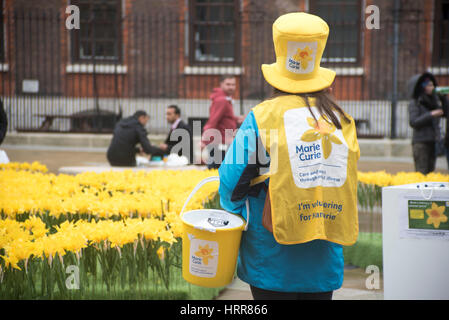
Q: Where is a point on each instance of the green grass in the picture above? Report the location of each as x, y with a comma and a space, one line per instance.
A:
366, 251
93, 288
188, 293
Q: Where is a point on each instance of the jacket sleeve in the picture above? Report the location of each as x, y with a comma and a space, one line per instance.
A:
217, 110
417, 118
145, 143
239, 166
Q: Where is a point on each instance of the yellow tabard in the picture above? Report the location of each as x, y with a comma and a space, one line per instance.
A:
313, 172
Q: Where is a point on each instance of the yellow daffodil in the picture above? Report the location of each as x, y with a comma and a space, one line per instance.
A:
161, 253
321, 129
304, 56
205, 253
11, 261
436, 215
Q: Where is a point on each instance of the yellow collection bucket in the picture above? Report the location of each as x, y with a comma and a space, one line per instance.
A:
210, 243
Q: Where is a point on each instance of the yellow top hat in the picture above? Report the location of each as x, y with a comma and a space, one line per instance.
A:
299, 41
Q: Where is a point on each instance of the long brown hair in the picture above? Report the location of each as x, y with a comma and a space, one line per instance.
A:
325, 102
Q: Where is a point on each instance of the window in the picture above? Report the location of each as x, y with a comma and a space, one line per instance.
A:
214, 32
99, 36
343, 18
441, 35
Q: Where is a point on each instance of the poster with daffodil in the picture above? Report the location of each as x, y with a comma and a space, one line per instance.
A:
425, 214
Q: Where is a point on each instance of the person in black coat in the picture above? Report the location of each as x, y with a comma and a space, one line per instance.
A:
180, 133
425, 112
128, 133
3, 122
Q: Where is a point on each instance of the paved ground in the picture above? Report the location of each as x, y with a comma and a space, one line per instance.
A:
354, 287
54, 159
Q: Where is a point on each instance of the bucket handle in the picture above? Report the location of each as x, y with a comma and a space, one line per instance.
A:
203, 182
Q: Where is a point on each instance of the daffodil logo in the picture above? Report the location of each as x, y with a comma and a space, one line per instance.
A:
304, 56
205, 252
436, 215
301, 56
322, 129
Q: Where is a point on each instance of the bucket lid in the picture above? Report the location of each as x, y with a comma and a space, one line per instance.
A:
212, 220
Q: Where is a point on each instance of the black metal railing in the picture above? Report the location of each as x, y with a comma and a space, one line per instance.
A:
44, 90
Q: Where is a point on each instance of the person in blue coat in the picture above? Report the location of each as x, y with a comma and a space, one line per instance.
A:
310, 270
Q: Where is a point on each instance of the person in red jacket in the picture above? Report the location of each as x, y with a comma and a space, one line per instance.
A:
219, 130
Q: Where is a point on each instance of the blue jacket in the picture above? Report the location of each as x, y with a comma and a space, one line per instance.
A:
316, 266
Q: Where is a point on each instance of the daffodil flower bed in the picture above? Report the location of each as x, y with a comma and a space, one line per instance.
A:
120, 232
369, 191
113, 234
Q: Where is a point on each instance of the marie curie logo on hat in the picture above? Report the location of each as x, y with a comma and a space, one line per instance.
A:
299, 40
301, 56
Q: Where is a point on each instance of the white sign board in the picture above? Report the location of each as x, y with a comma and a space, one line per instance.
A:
415, 241
424, 219
30, 86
